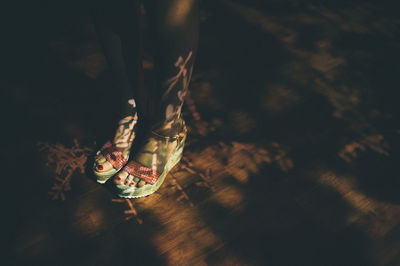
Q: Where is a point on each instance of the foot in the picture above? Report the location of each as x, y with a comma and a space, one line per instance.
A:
145, 173
114, 155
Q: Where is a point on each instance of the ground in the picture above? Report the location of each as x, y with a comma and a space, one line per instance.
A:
293, 147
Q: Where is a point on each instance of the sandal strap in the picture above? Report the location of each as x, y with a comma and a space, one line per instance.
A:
178, 137
113, 156
143, 172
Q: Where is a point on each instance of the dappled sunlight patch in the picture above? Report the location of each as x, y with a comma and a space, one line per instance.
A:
319, 67
240, 159
183, 195
324, 62
342, 98
205, 175
177, 247
375, 217
374, 142
209, 168
230, 198
246, 158
356, 199
131, 212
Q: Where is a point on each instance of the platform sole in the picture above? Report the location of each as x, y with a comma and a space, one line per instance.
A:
126, 192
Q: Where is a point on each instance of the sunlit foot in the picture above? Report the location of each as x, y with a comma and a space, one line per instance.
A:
114, 155
161, 151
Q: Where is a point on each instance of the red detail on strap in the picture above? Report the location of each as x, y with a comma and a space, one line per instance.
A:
112, 155
143, 172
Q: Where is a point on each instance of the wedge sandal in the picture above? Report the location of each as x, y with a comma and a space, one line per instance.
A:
143, 175
113, 156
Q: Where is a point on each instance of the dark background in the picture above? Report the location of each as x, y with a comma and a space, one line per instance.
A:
299, 128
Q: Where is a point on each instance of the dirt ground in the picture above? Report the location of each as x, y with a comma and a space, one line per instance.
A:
293, 148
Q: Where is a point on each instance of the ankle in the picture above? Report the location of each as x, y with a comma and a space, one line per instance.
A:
169, 128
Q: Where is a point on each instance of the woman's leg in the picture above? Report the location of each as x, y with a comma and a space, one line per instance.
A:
175, 28
117, 27
174, 24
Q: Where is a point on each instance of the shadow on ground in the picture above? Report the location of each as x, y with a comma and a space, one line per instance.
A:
300, 143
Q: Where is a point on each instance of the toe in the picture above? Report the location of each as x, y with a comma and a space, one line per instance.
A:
120, 178
141, 183
103, 167
128, 180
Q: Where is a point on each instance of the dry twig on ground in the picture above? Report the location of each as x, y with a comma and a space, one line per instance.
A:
66, 162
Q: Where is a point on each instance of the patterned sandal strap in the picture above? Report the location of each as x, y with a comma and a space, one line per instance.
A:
143, 172
113, 156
